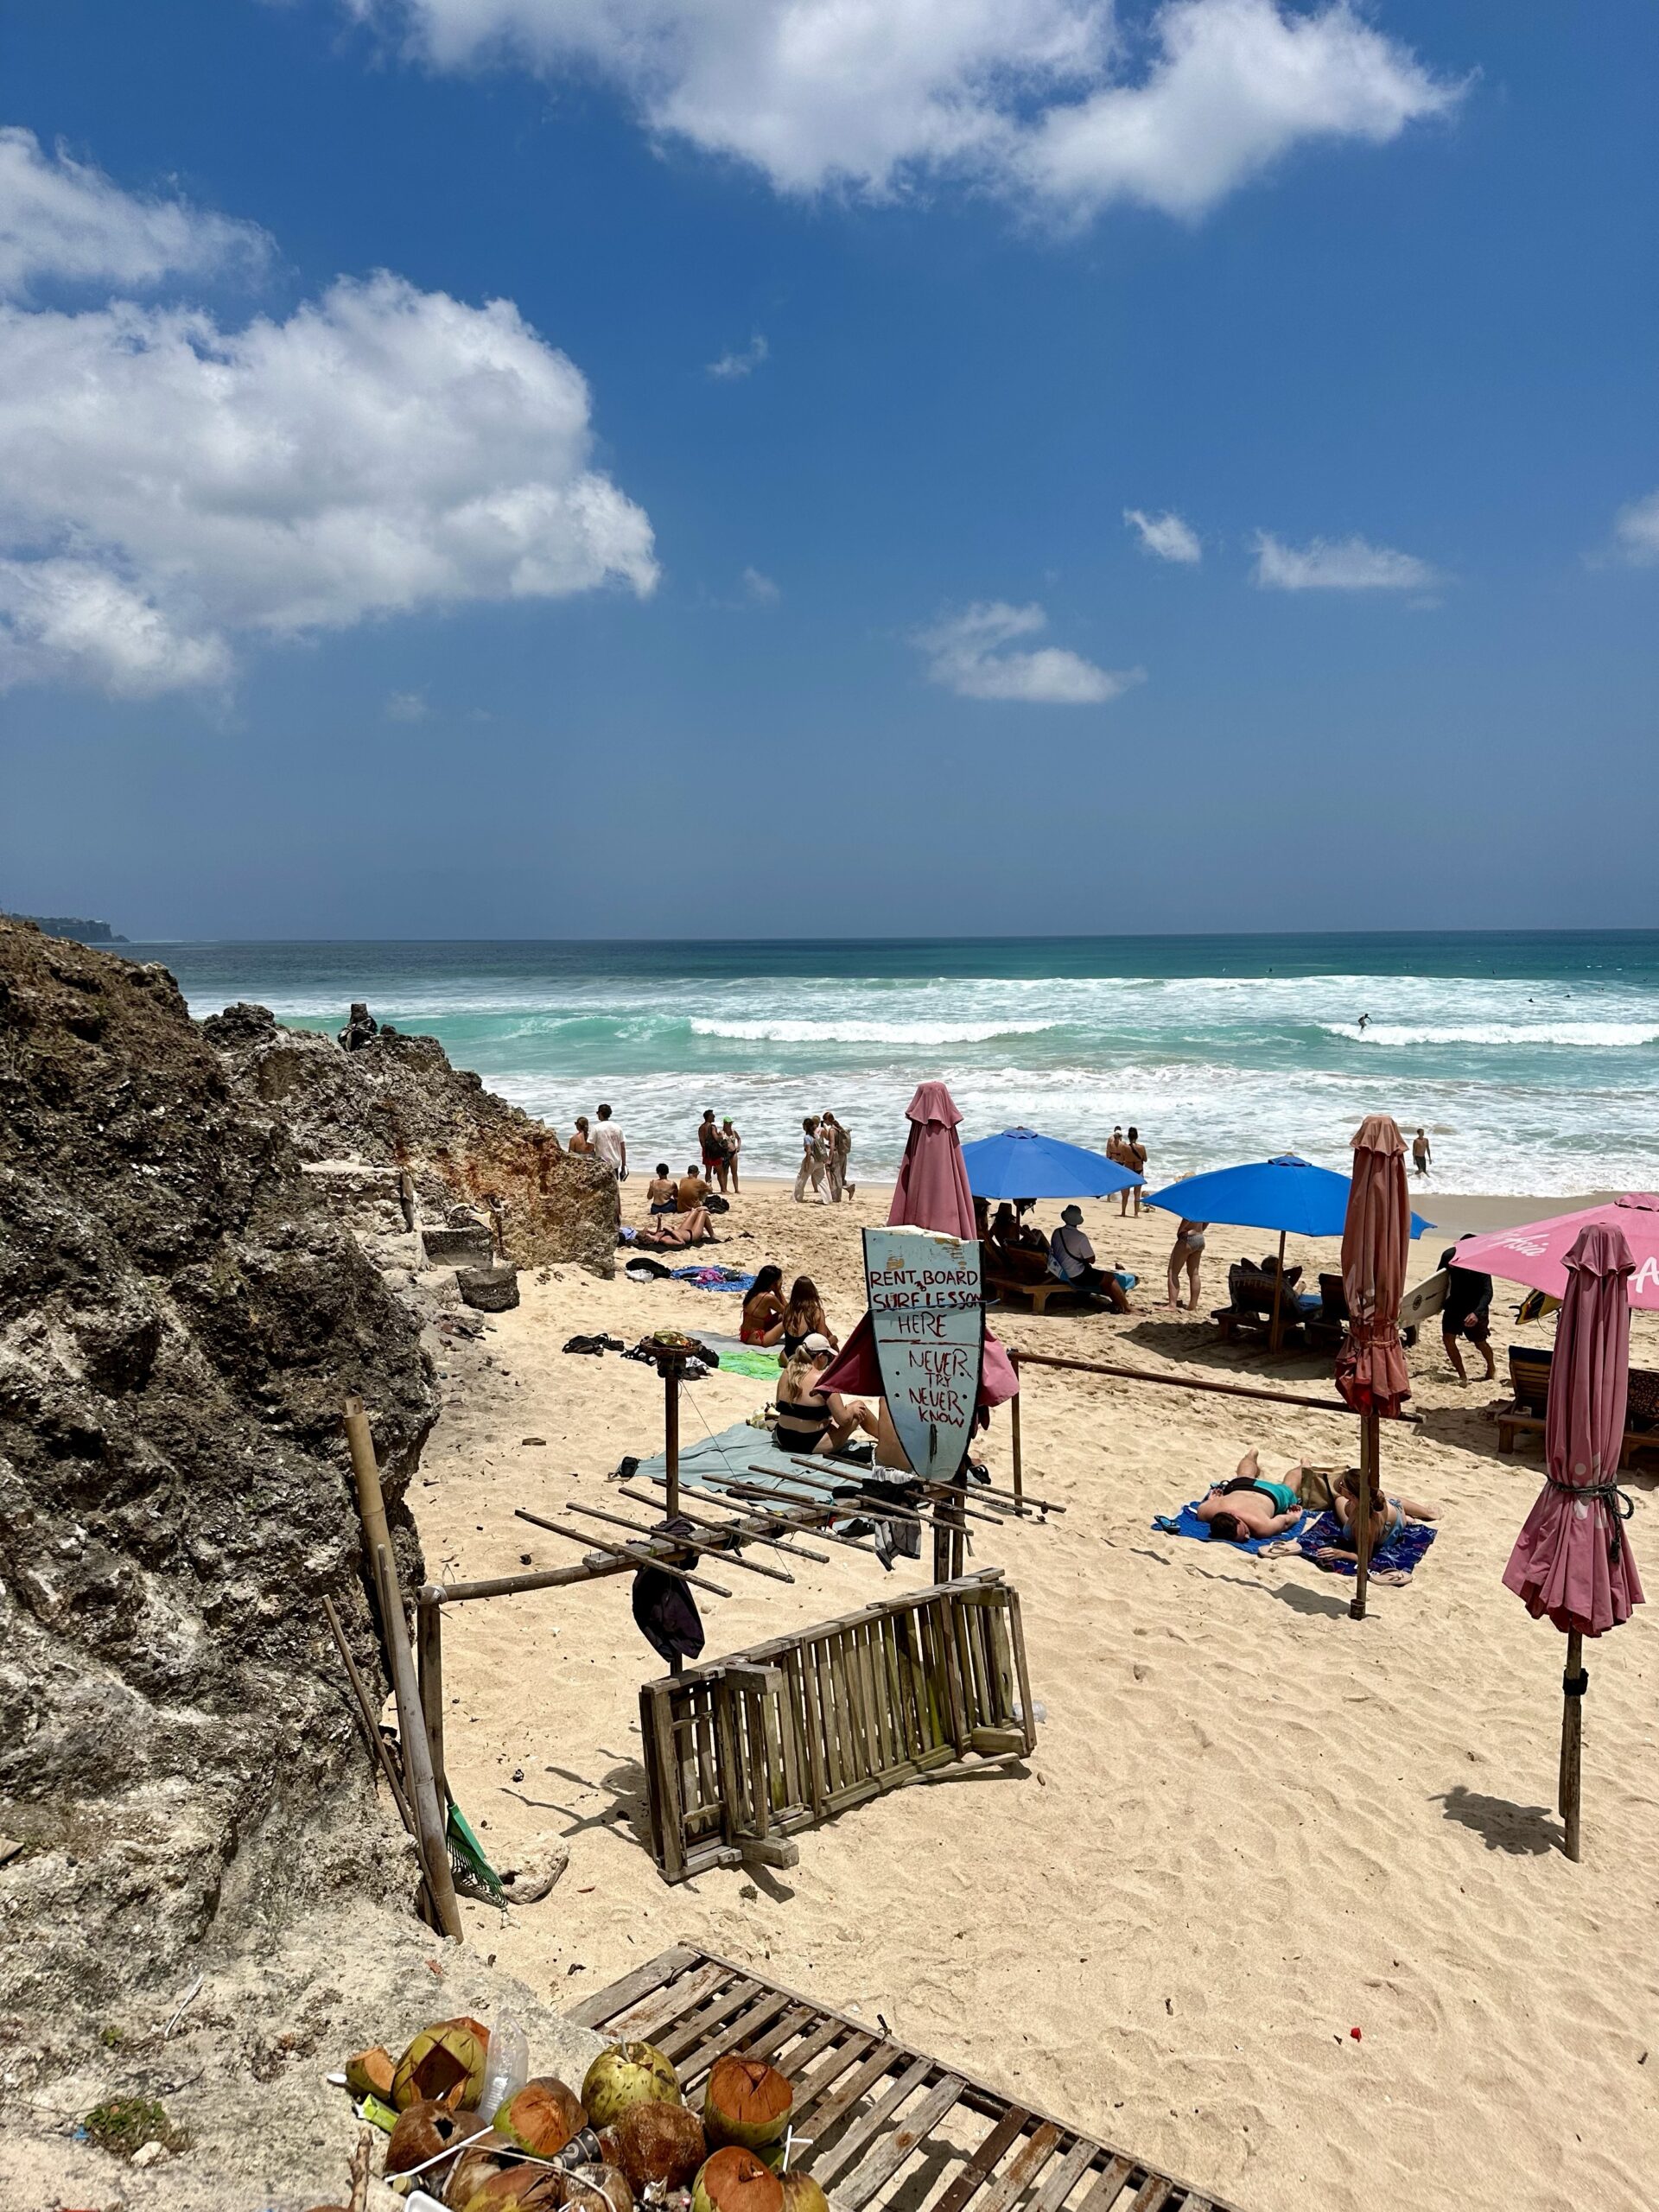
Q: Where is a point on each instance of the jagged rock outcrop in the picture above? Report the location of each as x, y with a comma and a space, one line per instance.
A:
180, 1318
396, 1101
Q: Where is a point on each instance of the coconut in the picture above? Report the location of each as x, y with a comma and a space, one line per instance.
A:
445, 2064
517, 2189
747, 2102
733, 2180
541, 2117
595, 2189
802, 2194
656, 2143
423, 2130
627, 2074
369, 2074
481, 2158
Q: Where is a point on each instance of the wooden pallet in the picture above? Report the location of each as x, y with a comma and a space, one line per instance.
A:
741, 1753
881, 2121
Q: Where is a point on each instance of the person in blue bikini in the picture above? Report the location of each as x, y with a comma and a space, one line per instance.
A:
1389, 1515
1249, 1506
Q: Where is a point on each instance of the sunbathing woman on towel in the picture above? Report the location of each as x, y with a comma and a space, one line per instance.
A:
1249, 1506
1388, 1515
811, 1420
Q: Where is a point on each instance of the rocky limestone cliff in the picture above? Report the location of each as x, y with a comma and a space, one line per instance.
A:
179, 1322
396, 1102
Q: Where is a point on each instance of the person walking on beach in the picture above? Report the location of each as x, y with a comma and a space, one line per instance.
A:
1421, 1154
1188, 1253
814, 1154
611, 1145
840, 1138
1132, 1154
712, 1145
732, 1144
1467, 1312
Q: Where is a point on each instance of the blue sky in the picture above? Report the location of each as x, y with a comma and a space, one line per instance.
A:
339, 603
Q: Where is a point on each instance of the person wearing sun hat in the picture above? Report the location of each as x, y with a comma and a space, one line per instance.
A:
1071, 1260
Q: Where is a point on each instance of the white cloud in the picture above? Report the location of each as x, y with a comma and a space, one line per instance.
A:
407, 707
1636, 528
744, 364
761, 588
1037, 98
1338, 564
60, 217
966, 653
1165, 535
165, 484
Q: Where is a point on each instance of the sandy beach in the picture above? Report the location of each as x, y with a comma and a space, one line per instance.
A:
1251, 1826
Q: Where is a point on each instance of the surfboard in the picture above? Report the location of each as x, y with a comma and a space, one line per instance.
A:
927, 1315
1423, 1303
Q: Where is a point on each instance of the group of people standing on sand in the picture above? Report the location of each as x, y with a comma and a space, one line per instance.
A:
1124, 1147
825, 1145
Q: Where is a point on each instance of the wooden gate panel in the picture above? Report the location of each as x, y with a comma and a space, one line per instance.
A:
740, 1754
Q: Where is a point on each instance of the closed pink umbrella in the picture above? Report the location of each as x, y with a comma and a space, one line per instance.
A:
1570, 1560
931, 1192
1371, 1367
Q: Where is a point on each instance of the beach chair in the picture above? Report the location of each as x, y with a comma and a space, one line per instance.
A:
1523, 1417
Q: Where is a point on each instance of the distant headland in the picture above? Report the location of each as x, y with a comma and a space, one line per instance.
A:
74, 925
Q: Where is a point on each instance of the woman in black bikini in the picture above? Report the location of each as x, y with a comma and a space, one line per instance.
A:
811, 1420
805, 1317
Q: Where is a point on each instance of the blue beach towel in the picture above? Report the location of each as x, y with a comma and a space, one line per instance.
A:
1401, 1554
1187, 1523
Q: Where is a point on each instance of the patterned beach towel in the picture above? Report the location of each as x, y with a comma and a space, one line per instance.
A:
1395, 1559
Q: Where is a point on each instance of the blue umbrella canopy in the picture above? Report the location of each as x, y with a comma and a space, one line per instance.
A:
1285, 1194
1021, 1164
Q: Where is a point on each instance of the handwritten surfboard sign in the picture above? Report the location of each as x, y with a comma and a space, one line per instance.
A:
927, 1314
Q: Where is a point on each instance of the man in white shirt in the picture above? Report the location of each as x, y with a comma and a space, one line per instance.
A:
611, 1145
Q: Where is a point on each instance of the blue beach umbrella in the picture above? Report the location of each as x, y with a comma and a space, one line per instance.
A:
1021, 1164
1287, 1194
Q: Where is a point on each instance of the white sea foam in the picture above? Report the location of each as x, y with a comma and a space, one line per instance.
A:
1590, 1036
832, 1032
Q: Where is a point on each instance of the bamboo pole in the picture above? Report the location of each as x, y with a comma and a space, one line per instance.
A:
948, 1492
1019, 1456
1278, 1295
371, 1722
1186, 1382
411, 1727
1369, 1449
681, 1543
428, 1667
519, 1585
670, 1374
1574, 1682
629, 1553
753, 1525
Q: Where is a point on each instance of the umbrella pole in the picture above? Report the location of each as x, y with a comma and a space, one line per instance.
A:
1573, 1685
1278, 1293
1369, 1425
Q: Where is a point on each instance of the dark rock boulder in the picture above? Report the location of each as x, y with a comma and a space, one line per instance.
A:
179, 1320
395, 1100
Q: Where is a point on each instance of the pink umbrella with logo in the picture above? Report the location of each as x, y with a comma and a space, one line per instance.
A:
1570, 1560
1537, 1254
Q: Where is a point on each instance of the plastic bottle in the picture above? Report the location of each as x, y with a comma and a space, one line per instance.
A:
507, 2066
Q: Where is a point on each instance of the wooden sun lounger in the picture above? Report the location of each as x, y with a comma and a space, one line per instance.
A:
1040, 1288
1516, 1420
878, 2122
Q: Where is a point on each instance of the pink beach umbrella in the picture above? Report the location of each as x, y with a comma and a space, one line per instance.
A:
1539, 1253
1570, 1560
1371, 1367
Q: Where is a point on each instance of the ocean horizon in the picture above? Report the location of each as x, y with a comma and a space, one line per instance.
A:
1531, 1058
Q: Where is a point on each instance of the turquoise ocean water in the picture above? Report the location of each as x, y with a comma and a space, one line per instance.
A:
1533, 1060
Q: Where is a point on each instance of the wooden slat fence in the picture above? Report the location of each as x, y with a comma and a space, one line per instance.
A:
741, 1753
876, 2122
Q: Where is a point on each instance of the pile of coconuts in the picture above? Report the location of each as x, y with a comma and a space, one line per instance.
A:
629, 2141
